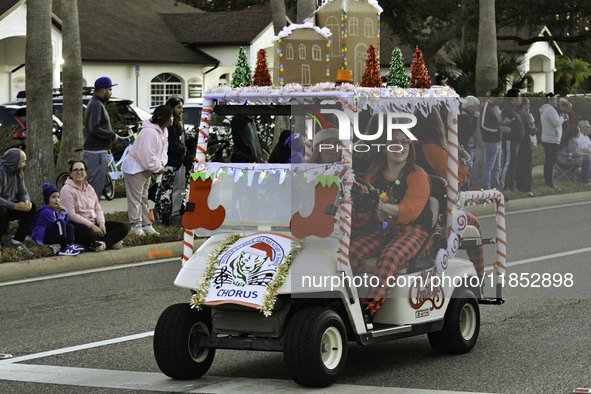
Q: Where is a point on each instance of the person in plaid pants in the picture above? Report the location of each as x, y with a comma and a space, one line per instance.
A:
403, 217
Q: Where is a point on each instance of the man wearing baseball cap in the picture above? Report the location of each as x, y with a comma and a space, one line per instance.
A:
98, 135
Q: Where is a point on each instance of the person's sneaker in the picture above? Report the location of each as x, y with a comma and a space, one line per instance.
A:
137, 230
20, 247
76, 247
149, 230
69, 251
118, 245
97, 246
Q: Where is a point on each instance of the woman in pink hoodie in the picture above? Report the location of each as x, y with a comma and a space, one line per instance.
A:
147, 156
82, 204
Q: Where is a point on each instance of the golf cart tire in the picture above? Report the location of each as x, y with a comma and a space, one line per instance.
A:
109, 189
176, 342
315, 347
461, 325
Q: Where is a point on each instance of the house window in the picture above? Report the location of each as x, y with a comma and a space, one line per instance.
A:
354, 26
302, 51
305, 74
162, 87
289, 52
368, 27
316, 53
335, 28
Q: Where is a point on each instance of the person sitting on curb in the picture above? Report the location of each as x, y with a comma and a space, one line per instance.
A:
51, 224
14, 198
86, 214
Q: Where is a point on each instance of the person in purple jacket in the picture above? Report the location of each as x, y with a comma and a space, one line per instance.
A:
51, 224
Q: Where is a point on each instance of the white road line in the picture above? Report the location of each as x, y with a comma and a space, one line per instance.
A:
150, 381
76, 348
542, 258
574, 204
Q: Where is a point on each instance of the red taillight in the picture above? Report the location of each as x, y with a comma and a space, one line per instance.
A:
19, 132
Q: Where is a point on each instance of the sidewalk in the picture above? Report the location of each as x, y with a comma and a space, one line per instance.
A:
62, 264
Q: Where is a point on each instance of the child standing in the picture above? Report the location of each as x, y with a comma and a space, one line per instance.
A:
51, 224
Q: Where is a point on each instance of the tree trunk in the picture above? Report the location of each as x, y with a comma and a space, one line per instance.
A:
487, 70
306, 9
39, 77
278, 12
72, 133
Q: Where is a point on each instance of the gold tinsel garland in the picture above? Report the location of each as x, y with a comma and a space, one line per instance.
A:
210, 266
269, 296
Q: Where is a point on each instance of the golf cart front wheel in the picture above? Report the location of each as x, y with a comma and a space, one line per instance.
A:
461, 325
315, 347
177, 337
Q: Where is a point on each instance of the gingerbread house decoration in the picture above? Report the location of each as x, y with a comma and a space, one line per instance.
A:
303, 54
353, 25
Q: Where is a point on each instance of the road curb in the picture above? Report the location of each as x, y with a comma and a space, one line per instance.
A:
62, 264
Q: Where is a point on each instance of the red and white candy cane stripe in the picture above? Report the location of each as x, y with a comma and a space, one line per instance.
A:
347, 204
188, 236
204, 129
452, 166
187, 245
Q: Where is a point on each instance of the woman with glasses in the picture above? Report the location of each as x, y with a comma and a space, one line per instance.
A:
176, 154
402, 218
90, 228
431, 150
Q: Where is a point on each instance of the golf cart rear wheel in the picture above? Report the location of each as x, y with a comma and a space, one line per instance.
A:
461, 326
176, 342
315, 347
109, 189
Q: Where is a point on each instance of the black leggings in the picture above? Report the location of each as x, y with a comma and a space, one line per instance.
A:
116, 231
550, 157
59, 232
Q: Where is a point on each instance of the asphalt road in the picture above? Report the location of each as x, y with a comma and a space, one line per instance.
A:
537, 342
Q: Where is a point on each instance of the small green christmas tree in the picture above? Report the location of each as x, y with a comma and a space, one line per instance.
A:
397, 75
242, 75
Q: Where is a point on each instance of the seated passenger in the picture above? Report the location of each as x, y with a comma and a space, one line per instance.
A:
326, 147
571, 156
431, 149
401, 221
247, 148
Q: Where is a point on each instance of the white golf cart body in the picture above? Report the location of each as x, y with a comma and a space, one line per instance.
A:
262, 200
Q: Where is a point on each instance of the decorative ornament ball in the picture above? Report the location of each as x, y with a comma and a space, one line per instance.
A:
453, 244
459, 221
441, 261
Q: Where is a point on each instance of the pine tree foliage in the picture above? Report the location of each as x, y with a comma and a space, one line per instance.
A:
242, 75
397, 74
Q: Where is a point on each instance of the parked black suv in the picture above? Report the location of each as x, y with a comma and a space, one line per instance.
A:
13, 126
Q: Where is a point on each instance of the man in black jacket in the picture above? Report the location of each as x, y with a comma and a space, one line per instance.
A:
14, 198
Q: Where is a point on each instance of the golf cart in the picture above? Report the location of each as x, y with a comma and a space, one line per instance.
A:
274, 272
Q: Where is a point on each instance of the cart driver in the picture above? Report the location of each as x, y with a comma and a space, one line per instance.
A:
401, 220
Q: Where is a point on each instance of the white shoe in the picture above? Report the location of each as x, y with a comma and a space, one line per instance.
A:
137, 230
118, 245
149, 230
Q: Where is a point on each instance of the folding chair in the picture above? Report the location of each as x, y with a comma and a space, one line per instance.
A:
567, 173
